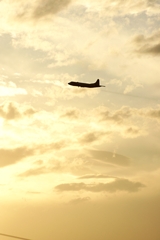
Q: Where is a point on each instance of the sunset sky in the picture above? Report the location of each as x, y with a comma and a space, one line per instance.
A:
76, 163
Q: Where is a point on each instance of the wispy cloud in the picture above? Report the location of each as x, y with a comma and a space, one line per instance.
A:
35, 171
92, 176
110, 157
117, 185
11, 156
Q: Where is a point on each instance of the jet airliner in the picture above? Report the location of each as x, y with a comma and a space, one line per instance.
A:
87, 85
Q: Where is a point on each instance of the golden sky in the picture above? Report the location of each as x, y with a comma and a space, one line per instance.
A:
75, 163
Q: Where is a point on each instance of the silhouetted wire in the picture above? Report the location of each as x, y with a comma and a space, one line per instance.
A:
6, 235
130, 95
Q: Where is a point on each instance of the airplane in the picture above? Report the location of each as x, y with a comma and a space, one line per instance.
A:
87, 85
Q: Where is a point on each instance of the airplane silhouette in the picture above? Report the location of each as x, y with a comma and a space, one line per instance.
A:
87, 85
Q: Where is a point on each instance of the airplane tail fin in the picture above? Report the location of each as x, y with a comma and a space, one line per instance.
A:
97, 82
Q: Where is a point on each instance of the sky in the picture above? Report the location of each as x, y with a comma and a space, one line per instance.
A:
78, 163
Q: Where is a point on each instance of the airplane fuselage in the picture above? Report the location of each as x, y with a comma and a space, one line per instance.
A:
79, 84
86, 85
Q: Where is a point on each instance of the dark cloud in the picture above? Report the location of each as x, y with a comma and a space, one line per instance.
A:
11, 111
148, 45
49, 7
155, 49
117, 185
110, 157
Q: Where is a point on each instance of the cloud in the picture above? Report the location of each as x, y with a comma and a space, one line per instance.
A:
124, 113
121, 8
150, 113
148, 45
90, 176
52, 146
35, 172
155, 49
53, 166
79, 162
109, 157
35, 10
93, 136
71, 114
12, 91
11, 111
12, 156
73, 163
117, 185
116, 117
38, 169
49, 7
153, 113
133, 132
40, 10
130, 88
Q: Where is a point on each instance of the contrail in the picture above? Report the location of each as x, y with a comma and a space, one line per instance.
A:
6, 235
